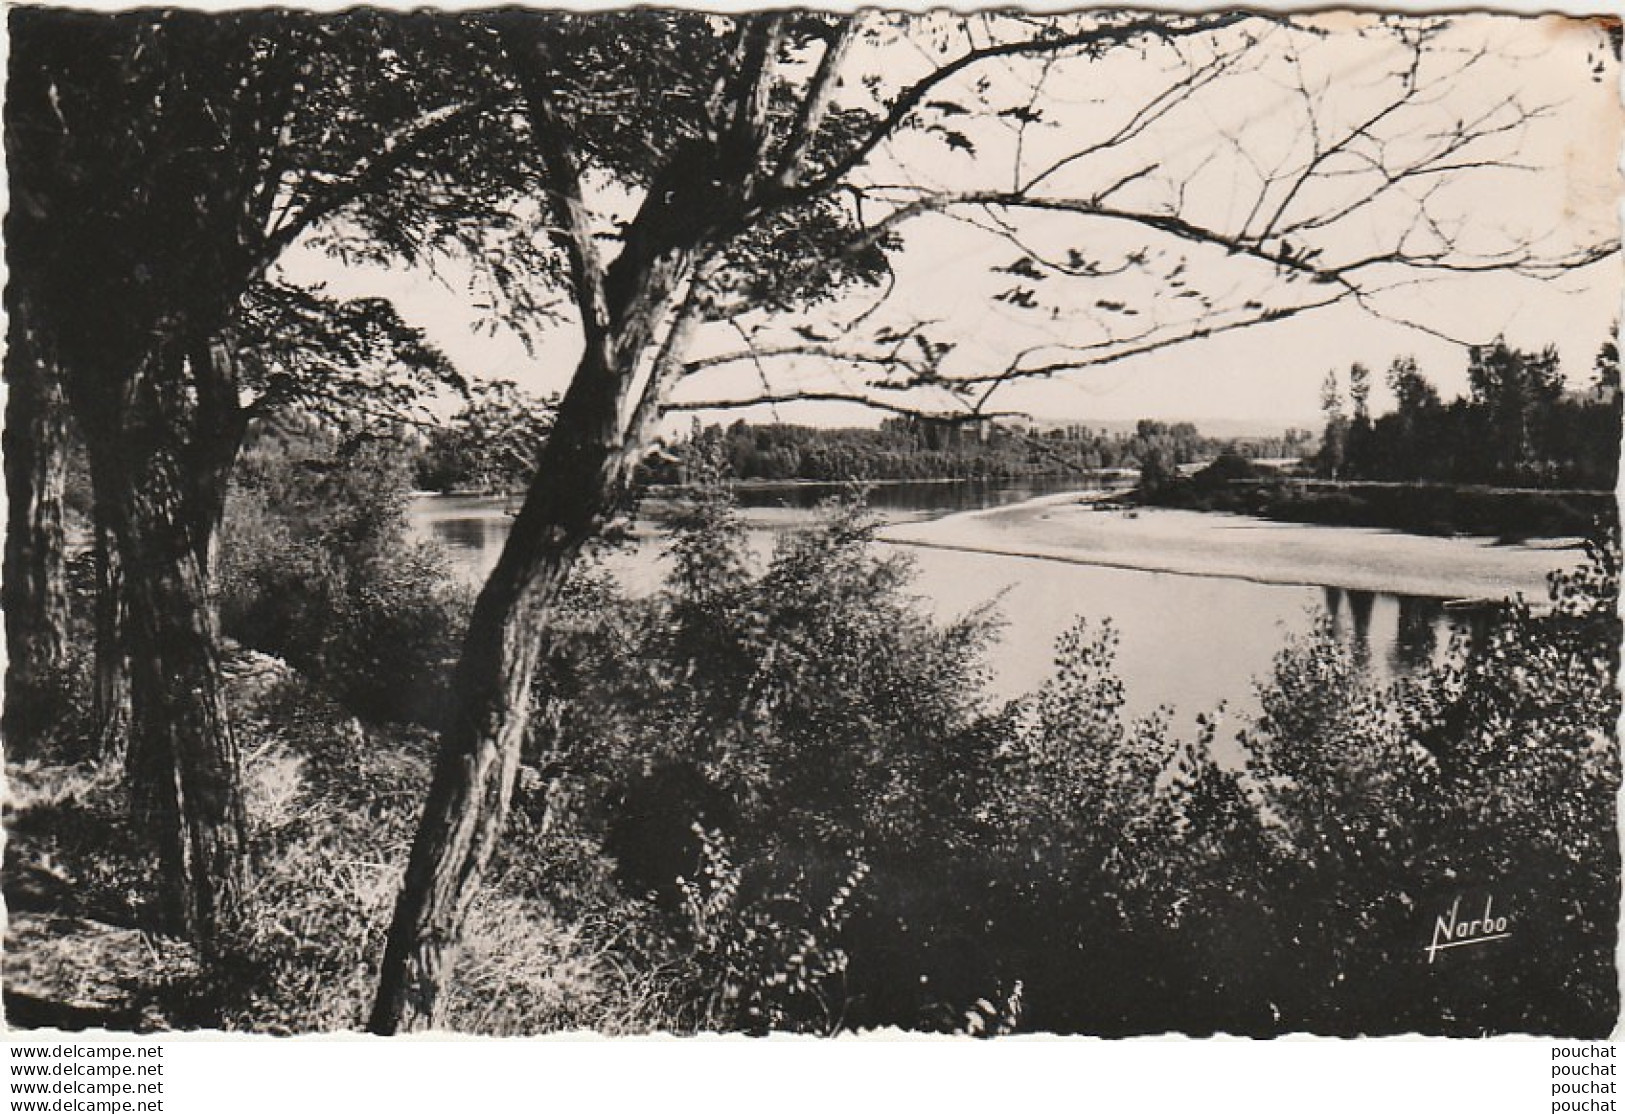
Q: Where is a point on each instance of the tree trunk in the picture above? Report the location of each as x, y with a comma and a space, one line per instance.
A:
111, 697
582, 474
579, 479
182, 759
35, 592
160, 477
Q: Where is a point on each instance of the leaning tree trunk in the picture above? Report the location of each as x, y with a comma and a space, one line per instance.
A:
629, 327
35, 593
581, 475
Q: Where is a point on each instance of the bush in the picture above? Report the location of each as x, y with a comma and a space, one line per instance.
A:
1227, 466
315, 567
1492, 776
806, 715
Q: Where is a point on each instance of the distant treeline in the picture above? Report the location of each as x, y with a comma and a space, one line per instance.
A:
1517, 427
1519, 457
925, 448
1231, 484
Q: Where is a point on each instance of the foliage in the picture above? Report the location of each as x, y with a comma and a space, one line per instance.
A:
905, 449
164, 159
354, 363
764, 963
769, 735
1415, 508
1491, 777
491, 444
332, 804
315, 567
769, 798
1126, 878
1518, 426
1123, 858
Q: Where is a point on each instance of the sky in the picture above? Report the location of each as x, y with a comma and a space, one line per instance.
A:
1218, 147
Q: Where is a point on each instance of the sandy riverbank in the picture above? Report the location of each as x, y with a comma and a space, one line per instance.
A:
1071, 528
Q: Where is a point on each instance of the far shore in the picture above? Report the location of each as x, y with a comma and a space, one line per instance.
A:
1072, 527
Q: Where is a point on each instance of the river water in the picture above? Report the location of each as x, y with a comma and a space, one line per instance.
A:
1187, 642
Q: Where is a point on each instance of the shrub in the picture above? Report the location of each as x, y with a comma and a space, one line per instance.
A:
316, 567
1491, 776
806, 714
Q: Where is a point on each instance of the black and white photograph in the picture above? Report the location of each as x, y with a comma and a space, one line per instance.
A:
974, 523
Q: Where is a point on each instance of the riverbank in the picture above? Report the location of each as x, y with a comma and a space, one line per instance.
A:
1081, 529
1508, 514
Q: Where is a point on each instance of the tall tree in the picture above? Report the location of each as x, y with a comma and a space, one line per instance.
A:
1358, 444
1516, 390
161, 162
35, 594
752, 169
1334, 439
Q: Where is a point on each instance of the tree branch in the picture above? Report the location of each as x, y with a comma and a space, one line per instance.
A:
371, 173
912, 97
814, 104
571, 228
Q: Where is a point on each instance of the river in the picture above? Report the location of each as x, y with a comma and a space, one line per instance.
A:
1201, 603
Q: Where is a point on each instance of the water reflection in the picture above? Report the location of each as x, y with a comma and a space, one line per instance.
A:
477, 533
1405, 632
1416, 641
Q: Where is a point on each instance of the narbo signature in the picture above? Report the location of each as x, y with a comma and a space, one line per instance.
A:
1457, 933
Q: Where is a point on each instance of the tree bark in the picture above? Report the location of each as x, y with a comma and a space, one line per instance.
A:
111, 697
183, 762
35, 591
160, 475
583, 471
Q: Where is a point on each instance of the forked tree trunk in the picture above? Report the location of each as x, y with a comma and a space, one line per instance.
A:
582, 472
35, 593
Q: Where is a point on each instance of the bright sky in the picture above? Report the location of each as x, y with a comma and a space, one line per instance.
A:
1217, 148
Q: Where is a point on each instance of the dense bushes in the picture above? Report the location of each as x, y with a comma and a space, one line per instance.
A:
315, 567
802, 732
781, 781
1490, 778
1125, 878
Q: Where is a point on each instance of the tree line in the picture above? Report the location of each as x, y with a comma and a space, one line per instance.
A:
489, 445
925, 449
1518, 426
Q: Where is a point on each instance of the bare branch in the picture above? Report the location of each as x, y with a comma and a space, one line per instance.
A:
1159, 27
1092, 356
870, 401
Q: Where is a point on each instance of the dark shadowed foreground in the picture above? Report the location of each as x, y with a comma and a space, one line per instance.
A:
774, 798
